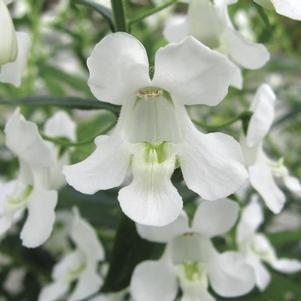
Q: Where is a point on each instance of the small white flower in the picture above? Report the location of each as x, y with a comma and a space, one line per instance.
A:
288, 8
39, 176
258, 249
154, 132
190, 259
81, 266
210, 23
263, 171
13, 48
31, 189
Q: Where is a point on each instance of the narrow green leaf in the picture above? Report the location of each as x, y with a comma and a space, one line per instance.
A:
104, 11
66, 102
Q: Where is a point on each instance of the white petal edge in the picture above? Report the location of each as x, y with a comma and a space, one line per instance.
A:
40, 219
118, 67
263, 115
192, 73
247, 54
105, 168
214, 218
153, 281
166, 233
12, 72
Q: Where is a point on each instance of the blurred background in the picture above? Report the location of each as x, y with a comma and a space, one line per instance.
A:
63, 33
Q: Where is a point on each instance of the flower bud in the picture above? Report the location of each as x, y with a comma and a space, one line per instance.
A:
8, 45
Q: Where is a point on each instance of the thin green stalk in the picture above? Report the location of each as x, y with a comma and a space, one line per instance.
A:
244, 117
118, 8
65, 143
152, 12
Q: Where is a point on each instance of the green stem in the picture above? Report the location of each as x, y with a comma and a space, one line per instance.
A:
69, 102
129, 250
244, 117
152, 12
118, 8
65, 143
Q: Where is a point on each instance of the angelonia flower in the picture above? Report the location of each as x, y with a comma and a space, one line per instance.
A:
154, 134
13, 48
38, 179
288, 8
263, 172
257, 248
191, 261
209, 22
80, 266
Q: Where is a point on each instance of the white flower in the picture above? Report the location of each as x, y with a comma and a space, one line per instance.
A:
39, 176
257, 247
210, 23
154, 132
288, 8
81, 266
13, 48
191, 261
31, 189
262, 170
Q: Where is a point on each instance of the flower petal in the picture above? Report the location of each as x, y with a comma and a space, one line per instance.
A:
289, 8
212, 164
192, 73
262, 180
176, 29
200, 14
293, 184
262, 119
288, 266
88, 284
248, 54
12, 72
23, 139
166, 233
8, 46
85, 238
118, 67
105, 168
214, 218
41, 217
153, 281
60, 125
54, 291
230, 276
151, 199
251, 218
262, 275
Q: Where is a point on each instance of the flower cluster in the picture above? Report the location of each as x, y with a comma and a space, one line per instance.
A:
209, 247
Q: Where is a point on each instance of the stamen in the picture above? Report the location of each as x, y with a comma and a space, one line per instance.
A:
149, 92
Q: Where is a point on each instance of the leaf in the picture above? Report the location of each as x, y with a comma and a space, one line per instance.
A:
61, 76
90, 129
286, 237
66, 102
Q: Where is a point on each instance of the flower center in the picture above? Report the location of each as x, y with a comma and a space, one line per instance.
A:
152, 118
149, 92
193, 271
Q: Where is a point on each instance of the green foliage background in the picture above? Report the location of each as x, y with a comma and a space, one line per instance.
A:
69, 36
